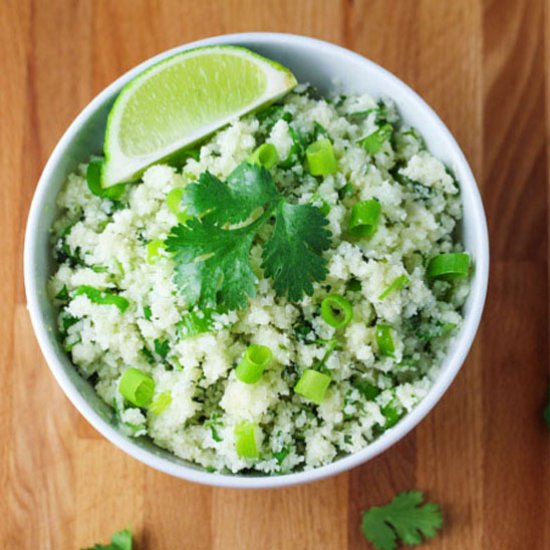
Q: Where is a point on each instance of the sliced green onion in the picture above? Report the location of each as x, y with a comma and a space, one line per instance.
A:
196, 322
365, 216
173, 202
373, 142
245, 440
160, 403
336, 311
102, 297
384, 339
265, 155
397, 284
93, 179
154, 250
313, 385
137, 387
449, 266
255, 360
321, 159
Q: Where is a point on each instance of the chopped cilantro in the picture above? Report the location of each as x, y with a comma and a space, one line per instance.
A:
147, 313
162, 347
148, 356
271, 115
67, 321
404, 518
420, 191
319, 131
428, 331
302, 330
366, 389
214, 423
212, 261
346, 191
279, 456
374, 142
63, 294
297, 149
391, 414
354, 285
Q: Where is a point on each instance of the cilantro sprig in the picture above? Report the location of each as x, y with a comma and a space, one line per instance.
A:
212, 253
121, 540
402, 518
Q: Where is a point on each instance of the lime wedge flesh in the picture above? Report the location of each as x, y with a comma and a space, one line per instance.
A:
183, 99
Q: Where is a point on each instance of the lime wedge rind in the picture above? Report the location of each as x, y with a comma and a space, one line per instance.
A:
121, 166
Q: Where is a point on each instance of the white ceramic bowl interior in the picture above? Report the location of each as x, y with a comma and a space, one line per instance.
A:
322, 64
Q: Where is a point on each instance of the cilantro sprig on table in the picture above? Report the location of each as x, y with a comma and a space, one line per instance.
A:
121, 540
402, 518
212, 253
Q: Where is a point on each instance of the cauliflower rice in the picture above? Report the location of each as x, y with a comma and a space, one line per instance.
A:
102, 243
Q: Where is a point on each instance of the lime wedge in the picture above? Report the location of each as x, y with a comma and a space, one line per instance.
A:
183, 99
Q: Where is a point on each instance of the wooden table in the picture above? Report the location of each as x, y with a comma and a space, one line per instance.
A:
483, 453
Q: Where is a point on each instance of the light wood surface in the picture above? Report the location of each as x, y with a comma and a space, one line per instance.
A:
483, 453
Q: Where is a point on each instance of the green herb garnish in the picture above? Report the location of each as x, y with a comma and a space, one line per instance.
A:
212, 259
121, 540
404, 518
162, 347
102, 297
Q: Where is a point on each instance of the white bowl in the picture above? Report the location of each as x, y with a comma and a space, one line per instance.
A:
321, 64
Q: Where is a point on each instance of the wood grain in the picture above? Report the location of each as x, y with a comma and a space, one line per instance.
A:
483, 453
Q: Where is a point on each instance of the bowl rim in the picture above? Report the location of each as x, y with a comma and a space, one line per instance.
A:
462, 344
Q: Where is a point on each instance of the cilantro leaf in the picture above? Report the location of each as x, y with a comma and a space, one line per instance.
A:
292, 255
121, 540
403, 517
212, 260
212, 264
248, 188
